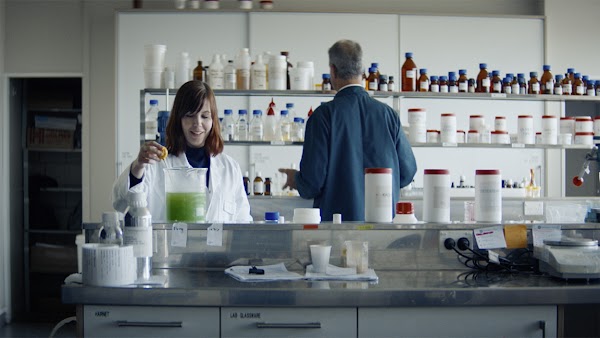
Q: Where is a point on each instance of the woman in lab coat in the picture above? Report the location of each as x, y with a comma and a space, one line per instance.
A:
193, 140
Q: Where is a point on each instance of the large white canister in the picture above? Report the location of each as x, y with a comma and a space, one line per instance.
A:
379, 205
436, 195
488, 195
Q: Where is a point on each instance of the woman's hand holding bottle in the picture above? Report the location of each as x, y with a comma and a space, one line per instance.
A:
150, 153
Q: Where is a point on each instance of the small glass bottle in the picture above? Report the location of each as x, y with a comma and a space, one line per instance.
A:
259, 185
256, 127
452, 82
496, 82
443, 84
558, 90
522, 83
423, 80
506, 85
534, 84
463, 82
434, 87
409, 74
365, 84
267, 186
471, 85
483, 81
246, 181
591, 88
547, 81
383, 83
372, 79
198, 72
578, 88
567, 85
376, 66
326, 84
391, 84
571, 72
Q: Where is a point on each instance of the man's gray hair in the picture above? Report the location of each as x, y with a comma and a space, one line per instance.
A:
346, 56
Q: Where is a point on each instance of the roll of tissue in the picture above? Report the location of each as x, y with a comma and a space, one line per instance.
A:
108, 265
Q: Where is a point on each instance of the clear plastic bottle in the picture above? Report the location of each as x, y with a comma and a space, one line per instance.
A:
230, 76
138, 232
291, 111
256, 126
242, 69
270, 131
285, 125
258, 74
110, 231
423, 81
151, 122
298, 130
216, 73
547, 81
409, 74
483, 81
229, 126
242, 126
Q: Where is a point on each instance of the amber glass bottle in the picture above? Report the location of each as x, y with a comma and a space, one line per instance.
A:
567, 85
423, 80
259, 185
578, 87
372, 79
496, 82
443, 84
463, 81
198, 71
409, 74
483, 81
534, 84
547, 81
267, 186
434, 87
558, 90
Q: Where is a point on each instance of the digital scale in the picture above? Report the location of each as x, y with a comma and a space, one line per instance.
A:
570, 258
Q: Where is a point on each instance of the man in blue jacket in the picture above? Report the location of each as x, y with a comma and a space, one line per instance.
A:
347, 135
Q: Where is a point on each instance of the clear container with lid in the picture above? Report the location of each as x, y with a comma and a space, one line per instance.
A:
378, 195
436, 195
405, 213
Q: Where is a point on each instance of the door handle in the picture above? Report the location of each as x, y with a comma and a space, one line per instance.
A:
315, 325
126, 323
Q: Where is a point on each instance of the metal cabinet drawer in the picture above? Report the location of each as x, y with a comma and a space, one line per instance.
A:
158, 321
476, 321
288, 322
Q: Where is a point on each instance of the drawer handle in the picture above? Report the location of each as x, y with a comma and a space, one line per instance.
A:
316, 325
126, 323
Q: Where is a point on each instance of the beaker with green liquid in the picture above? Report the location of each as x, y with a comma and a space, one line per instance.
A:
185, 190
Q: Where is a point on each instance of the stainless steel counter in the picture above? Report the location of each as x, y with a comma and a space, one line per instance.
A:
406, 288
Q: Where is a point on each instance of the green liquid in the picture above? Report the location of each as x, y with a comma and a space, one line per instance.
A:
186, 207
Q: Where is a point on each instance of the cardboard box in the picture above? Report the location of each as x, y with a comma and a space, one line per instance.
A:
50, 138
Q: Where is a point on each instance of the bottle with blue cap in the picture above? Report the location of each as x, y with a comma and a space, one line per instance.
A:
452, 82
256, 128
285, 126
578, 88
242, 126
483, 81
443, 84
496, 82
228, 126
547, 81
558, 90
423, 80
534, 83
409, 74
463, 81
151, 122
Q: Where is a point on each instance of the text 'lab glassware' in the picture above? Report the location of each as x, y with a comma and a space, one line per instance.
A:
185, 191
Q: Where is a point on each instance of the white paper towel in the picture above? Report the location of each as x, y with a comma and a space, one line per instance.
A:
108, 265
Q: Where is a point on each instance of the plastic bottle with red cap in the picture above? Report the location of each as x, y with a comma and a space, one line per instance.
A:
405, 213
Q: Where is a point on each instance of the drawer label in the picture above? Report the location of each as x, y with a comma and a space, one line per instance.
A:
245, 315
101, 314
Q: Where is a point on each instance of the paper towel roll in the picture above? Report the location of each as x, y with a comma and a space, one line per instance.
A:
108, 265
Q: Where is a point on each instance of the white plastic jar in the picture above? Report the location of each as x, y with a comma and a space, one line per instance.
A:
476, 122
436, 195
525, 133
597, 125
417, 121
473, 136
500, 137
584, 137
433, 136
277, 72
460, 136
549, 129
488, 195
378, 195
500, 123
567, 125
584, 124
448, 128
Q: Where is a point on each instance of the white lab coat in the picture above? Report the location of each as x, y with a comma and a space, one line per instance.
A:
227, 200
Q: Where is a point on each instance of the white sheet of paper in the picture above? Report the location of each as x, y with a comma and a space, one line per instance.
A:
490, 238
214, 235
541, 232
179, 235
